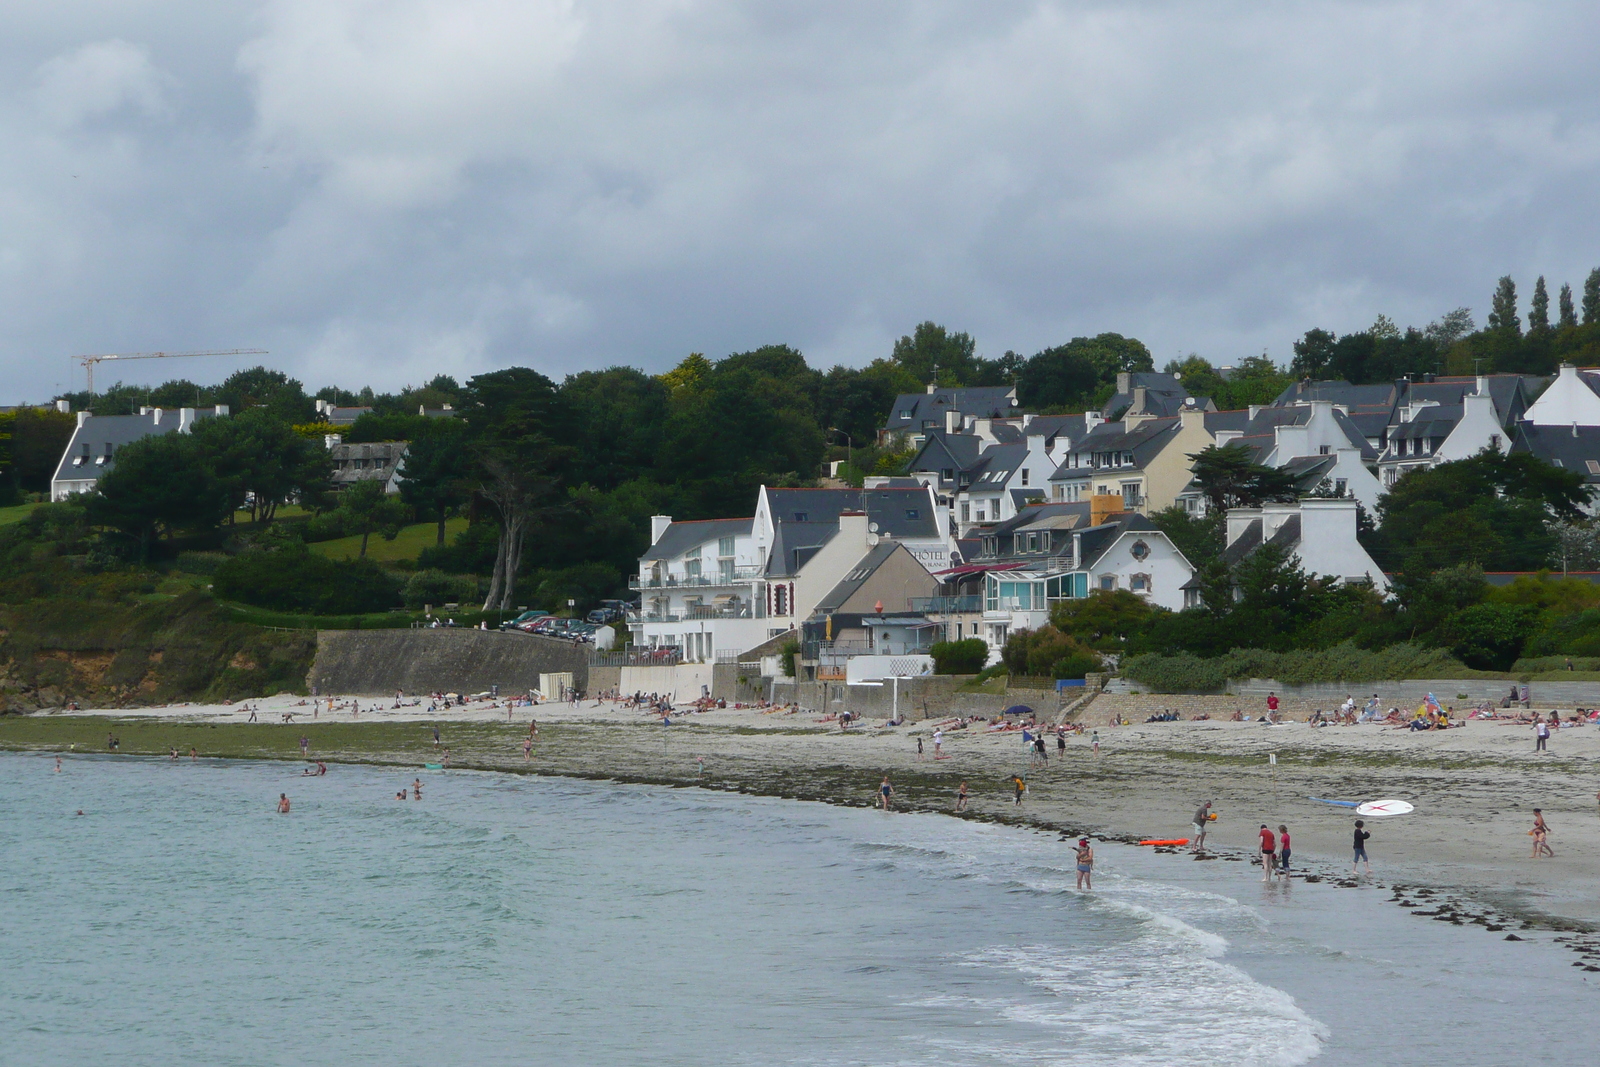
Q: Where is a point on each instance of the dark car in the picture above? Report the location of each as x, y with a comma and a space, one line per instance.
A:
601, 616
523, 621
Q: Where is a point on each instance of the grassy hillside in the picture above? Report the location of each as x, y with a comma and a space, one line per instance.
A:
410, 543
15, 514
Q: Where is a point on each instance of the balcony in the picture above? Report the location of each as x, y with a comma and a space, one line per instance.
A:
947, 605
740, 611
732, 576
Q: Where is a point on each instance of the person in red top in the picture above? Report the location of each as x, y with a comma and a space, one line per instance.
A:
1269, 845
1283, 850
1272, 702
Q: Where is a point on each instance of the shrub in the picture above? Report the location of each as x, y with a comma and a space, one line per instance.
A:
1489, 637
787, 653
436, 587
1184, 672
1037, 652
298, 581
959, 657
1075, 666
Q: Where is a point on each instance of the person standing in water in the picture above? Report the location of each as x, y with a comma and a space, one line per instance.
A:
283, 803
1085, 864
961, 797
416, 788
58, 764
885, 791
1269, 848
1283, 850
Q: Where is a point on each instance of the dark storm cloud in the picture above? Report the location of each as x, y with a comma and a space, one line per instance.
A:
380, 191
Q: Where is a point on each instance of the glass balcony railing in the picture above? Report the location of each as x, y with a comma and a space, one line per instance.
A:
731, 576
947, 605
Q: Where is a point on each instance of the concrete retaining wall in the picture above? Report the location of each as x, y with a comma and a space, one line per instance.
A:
378, 662
1410, 692
682, 682
919, 698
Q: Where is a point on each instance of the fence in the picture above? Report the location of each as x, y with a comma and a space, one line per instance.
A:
648, 657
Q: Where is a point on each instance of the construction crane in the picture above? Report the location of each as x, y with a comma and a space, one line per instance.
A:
90, 361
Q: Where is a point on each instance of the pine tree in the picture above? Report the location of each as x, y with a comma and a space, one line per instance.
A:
1591, 298
1569, 315
1539, 309
1503, 308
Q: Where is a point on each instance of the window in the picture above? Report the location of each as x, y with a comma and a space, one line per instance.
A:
1322, 450
948, 474
802, 516
1139, 583
726, 567
913, 513
966, 511
1108, 582
724, 546
780, 601
1024, 475
1033, 542
1338, 486
692, 553
1140, 551
692, 568
905, 413
1593, 465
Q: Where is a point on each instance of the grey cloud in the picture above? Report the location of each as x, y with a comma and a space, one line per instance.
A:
377, 192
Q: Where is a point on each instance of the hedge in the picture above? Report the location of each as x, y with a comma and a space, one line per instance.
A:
1341, 663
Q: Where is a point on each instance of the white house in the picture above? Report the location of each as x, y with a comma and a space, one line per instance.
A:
1573, 399
1320, 534
92, 449
701, 588
1428, 433
1054, 552
1315, 439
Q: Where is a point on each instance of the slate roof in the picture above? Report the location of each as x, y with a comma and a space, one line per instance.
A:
806, 519
963, 450
100, 431
376, 462
1054, 425
999, 463
1437, 422
1287, 536
678, 537
981, 402
1144, 440
1267, 420
1094, 542
1558, 445
876, 557
1164, 395
1341, 392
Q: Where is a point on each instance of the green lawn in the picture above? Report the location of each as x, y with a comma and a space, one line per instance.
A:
15, 514
410, 543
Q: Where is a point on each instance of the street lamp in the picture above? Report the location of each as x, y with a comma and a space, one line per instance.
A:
849, 446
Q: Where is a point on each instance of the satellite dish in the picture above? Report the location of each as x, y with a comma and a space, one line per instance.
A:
873, 527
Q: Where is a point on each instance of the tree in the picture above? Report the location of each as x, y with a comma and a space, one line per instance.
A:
162, 483
521, 434
1591, 298
38, 437
932, 353
271, 389
1539, 308
856, 401
1449, 328
959, 657
433, 479
1313, 354
1198, 537
1230, 477
260, 461
1569, 314
1070, 374
1104, 619
366, 508
1503, 318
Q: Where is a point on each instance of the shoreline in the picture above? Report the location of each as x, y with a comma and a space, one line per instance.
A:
1461, 852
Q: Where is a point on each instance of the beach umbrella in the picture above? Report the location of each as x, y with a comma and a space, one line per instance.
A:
1018, 709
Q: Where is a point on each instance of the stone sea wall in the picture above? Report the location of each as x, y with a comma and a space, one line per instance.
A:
378, 662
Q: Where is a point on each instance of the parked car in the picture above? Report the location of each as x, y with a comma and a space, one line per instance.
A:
601, 616
523, 621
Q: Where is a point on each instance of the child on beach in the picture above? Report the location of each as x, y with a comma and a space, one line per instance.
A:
1361, 848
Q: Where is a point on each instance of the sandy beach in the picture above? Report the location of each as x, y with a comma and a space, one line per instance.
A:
1473, 787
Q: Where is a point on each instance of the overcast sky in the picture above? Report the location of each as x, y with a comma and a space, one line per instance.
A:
382, 190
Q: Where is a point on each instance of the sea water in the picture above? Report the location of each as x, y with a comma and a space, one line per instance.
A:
506, 919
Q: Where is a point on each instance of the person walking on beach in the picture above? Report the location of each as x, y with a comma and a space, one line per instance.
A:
1541, 734
938, 744
1283, 850
1061, 746
305, 745
1541, 831
1269, 847
919, 746
527, 749
1361, 848
885, 792
436, 736
1094, 742
961, 797
1085, 865
252, 717
283, 803
1021, 788
1202, 819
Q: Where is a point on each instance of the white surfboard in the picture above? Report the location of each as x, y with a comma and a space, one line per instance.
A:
1374, 809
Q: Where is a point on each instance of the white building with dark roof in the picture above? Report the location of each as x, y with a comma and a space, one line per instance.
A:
95, 441
914, 414
1319, 534
379, 461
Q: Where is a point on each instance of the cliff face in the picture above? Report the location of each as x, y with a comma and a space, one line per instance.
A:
113, 655
378, 662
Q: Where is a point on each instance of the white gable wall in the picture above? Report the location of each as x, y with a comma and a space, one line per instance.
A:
1568, 400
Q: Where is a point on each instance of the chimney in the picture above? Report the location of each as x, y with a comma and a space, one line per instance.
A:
1239, 520
1483, 385
952, 420
143, 410
658, 526
1103, 506
1138, 405
1223, 437
64, 406
155, 416
1191, 419
331, 439
930, 388
1123, 381
1027, 419
185, 419
83, 417
1091, 419
219, 410
853, 528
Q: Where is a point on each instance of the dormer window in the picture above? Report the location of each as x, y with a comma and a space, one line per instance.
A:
802, 516
913, 513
